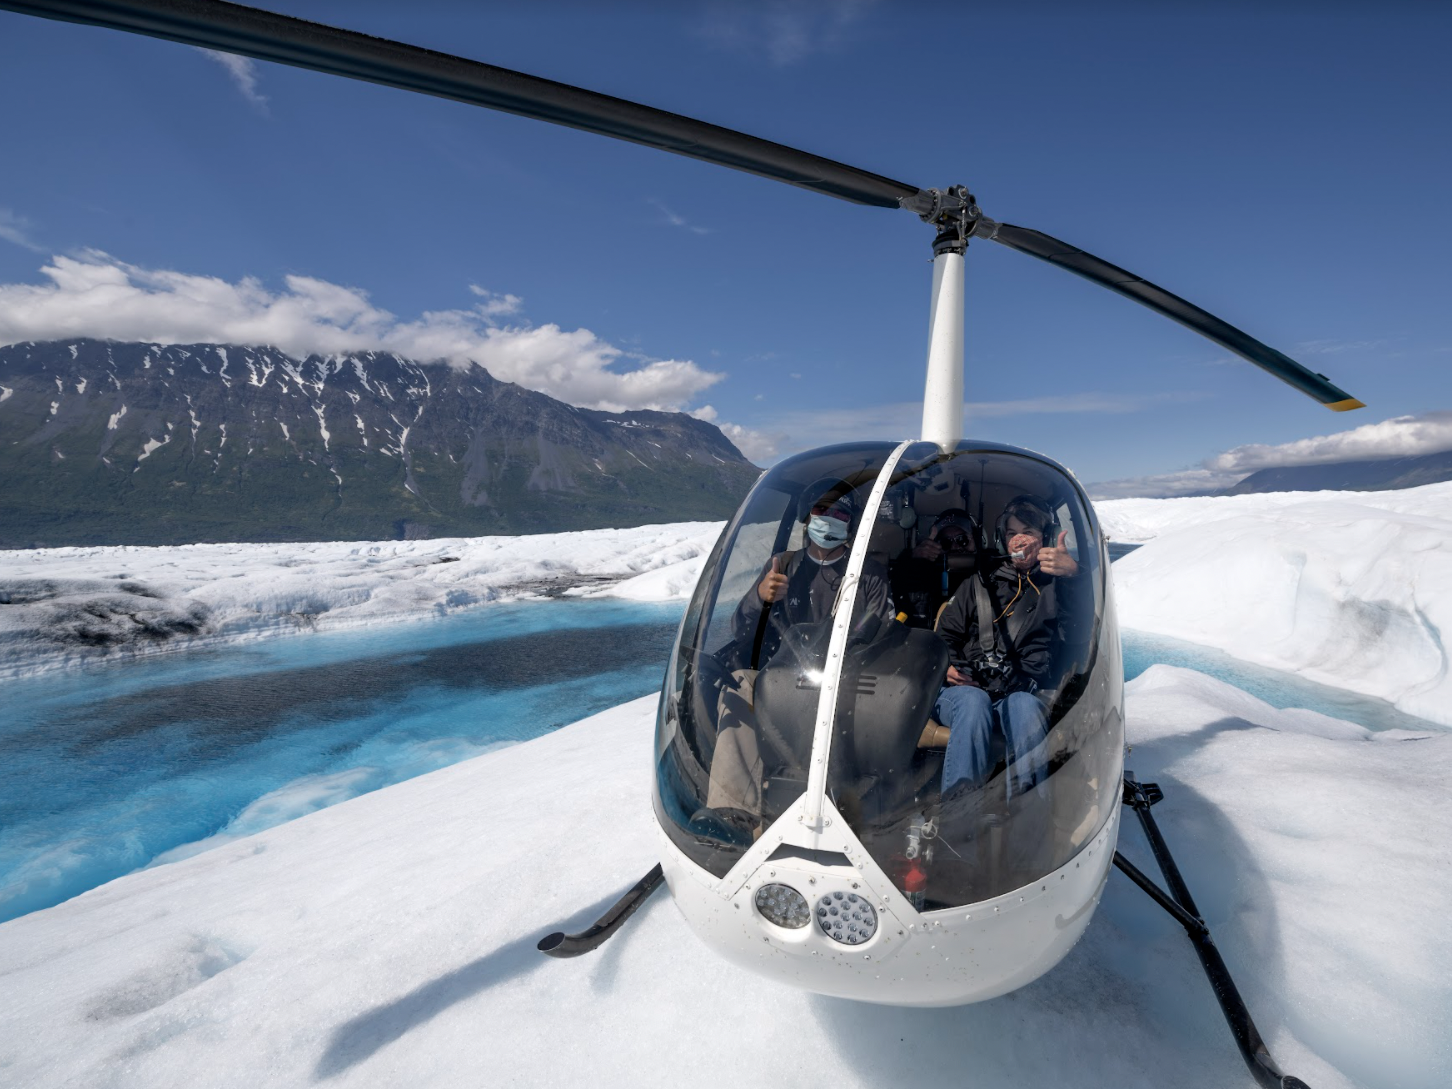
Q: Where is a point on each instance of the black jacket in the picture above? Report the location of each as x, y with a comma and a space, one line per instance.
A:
920, 587
811, 590
1026, 631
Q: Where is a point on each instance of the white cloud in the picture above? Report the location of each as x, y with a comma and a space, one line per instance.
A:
1103, 403
676, 220
805, 427
95, 295
759, 447
16, 229
1399, 437
1336, 347
496, 305
786, 31
1165, 485
243, 71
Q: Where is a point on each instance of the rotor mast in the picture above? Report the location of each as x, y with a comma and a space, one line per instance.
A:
955, 215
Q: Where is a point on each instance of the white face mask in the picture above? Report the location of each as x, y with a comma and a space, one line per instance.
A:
827, 533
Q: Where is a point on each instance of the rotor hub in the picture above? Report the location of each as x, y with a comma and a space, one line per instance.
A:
953, 212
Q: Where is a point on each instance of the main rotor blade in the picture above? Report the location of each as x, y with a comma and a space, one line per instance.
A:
265, 35
1037, 244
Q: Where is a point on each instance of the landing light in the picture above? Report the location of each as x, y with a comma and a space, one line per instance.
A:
783, 905
846, 917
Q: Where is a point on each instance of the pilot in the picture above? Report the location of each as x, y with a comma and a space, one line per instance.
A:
1001, 627
801, 587
925, 579
794, 588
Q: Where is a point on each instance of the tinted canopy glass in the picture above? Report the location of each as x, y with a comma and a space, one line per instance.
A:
740, 699
977, 740
975, 733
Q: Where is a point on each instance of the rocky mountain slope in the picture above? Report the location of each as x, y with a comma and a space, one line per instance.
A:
1359, 476
118, 443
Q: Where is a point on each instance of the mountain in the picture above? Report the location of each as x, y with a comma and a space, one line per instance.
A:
117, 443
1355, 476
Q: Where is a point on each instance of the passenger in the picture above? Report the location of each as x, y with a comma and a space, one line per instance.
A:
926, 578
1001, 629
1024, 531
794, 588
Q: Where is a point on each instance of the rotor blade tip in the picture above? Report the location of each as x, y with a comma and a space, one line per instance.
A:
1346, 405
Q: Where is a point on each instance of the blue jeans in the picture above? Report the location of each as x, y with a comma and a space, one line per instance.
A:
971, 716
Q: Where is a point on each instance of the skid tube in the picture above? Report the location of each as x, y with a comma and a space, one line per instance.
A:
1178, 902
560, 944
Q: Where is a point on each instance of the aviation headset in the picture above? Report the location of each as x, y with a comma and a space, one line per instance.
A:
964, 521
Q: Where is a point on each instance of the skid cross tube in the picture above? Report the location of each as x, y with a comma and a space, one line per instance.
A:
560, 944
1179, 903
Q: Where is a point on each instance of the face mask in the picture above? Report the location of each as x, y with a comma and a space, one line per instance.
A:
1023, 550
827, 533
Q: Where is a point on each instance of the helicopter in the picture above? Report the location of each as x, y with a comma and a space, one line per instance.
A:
808, 825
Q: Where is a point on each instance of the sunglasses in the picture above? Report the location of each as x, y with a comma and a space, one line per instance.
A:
830, 510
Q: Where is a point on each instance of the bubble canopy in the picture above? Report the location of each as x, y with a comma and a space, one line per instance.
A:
833, 650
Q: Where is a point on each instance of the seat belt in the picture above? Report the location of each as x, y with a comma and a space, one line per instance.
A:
986, 630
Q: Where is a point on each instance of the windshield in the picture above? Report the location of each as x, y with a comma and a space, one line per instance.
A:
978, 737
735, 727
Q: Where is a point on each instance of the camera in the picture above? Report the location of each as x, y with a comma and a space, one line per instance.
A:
990, 669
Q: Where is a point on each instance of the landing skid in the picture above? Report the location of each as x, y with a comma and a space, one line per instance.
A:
1178, 902
560, 944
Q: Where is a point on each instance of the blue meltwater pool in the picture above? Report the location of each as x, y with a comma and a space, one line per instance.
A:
113, 768
109, 769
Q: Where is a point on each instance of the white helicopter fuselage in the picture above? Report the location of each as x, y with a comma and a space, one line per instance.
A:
938, 958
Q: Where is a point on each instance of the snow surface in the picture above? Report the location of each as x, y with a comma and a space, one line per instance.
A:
389, 940
1351, 589
63, 606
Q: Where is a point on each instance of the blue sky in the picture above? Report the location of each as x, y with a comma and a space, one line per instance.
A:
1283, 165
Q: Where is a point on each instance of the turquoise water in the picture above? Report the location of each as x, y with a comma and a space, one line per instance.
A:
102, 770
108, 769
1142, 650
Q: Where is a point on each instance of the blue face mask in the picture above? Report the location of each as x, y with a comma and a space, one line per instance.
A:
827, 533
